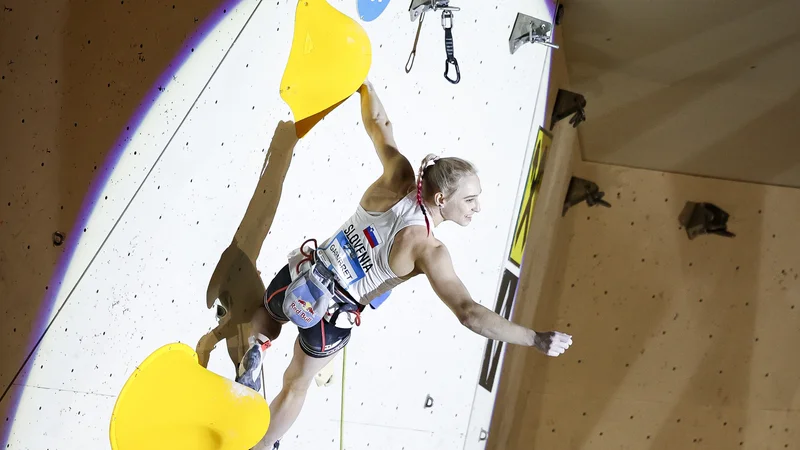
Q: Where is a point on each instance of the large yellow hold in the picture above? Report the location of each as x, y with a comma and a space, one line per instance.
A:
330, 58
171, 402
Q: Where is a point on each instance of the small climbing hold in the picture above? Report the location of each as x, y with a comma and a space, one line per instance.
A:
704, 218
369, 10
581, 190
569, 104
58, 238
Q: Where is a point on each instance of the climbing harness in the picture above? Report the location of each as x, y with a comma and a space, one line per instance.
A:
315, 296
417, 9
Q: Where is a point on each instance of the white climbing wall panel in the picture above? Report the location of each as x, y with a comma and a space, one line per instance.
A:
175, 198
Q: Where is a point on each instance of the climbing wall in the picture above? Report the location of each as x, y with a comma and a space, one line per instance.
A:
678, 343
147, 167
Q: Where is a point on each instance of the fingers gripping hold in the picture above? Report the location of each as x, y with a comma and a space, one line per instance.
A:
552, 343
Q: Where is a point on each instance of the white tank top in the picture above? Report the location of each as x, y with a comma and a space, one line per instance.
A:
358, 252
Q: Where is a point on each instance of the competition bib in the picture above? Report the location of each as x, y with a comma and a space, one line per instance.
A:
349, 253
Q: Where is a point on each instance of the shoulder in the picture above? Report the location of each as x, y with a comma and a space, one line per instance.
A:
398, 176
399, 169
386, 192
426, 250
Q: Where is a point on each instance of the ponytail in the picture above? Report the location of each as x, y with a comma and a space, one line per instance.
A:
426, 162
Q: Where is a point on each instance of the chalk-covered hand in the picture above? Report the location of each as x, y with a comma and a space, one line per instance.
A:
552, 343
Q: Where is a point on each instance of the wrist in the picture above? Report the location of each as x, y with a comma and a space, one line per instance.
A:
532, 338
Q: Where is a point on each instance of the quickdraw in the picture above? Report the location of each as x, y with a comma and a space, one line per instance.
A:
418, 8
447, 24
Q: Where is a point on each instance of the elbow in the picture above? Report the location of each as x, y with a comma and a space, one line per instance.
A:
376, 129
380, 121
468, 316
380, 127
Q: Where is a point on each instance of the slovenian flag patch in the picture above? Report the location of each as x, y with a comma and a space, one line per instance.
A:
372, 237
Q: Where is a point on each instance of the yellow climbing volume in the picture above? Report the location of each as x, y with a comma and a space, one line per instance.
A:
329, 59
171, 402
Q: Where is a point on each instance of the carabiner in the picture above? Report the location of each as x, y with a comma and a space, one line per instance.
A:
447, 70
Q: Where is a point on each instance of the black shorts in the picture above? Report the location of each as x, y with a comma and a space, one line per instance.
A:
311, 339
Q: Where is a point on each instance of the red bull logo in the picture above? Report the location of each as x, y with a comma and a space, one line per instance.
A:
305, 311
306, 306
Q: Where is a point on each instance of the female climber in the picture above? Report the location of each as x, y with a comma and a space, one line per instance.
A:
387, 241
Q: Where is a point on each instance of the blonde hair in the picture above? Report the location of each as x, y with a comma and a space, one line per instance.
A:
440, 175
